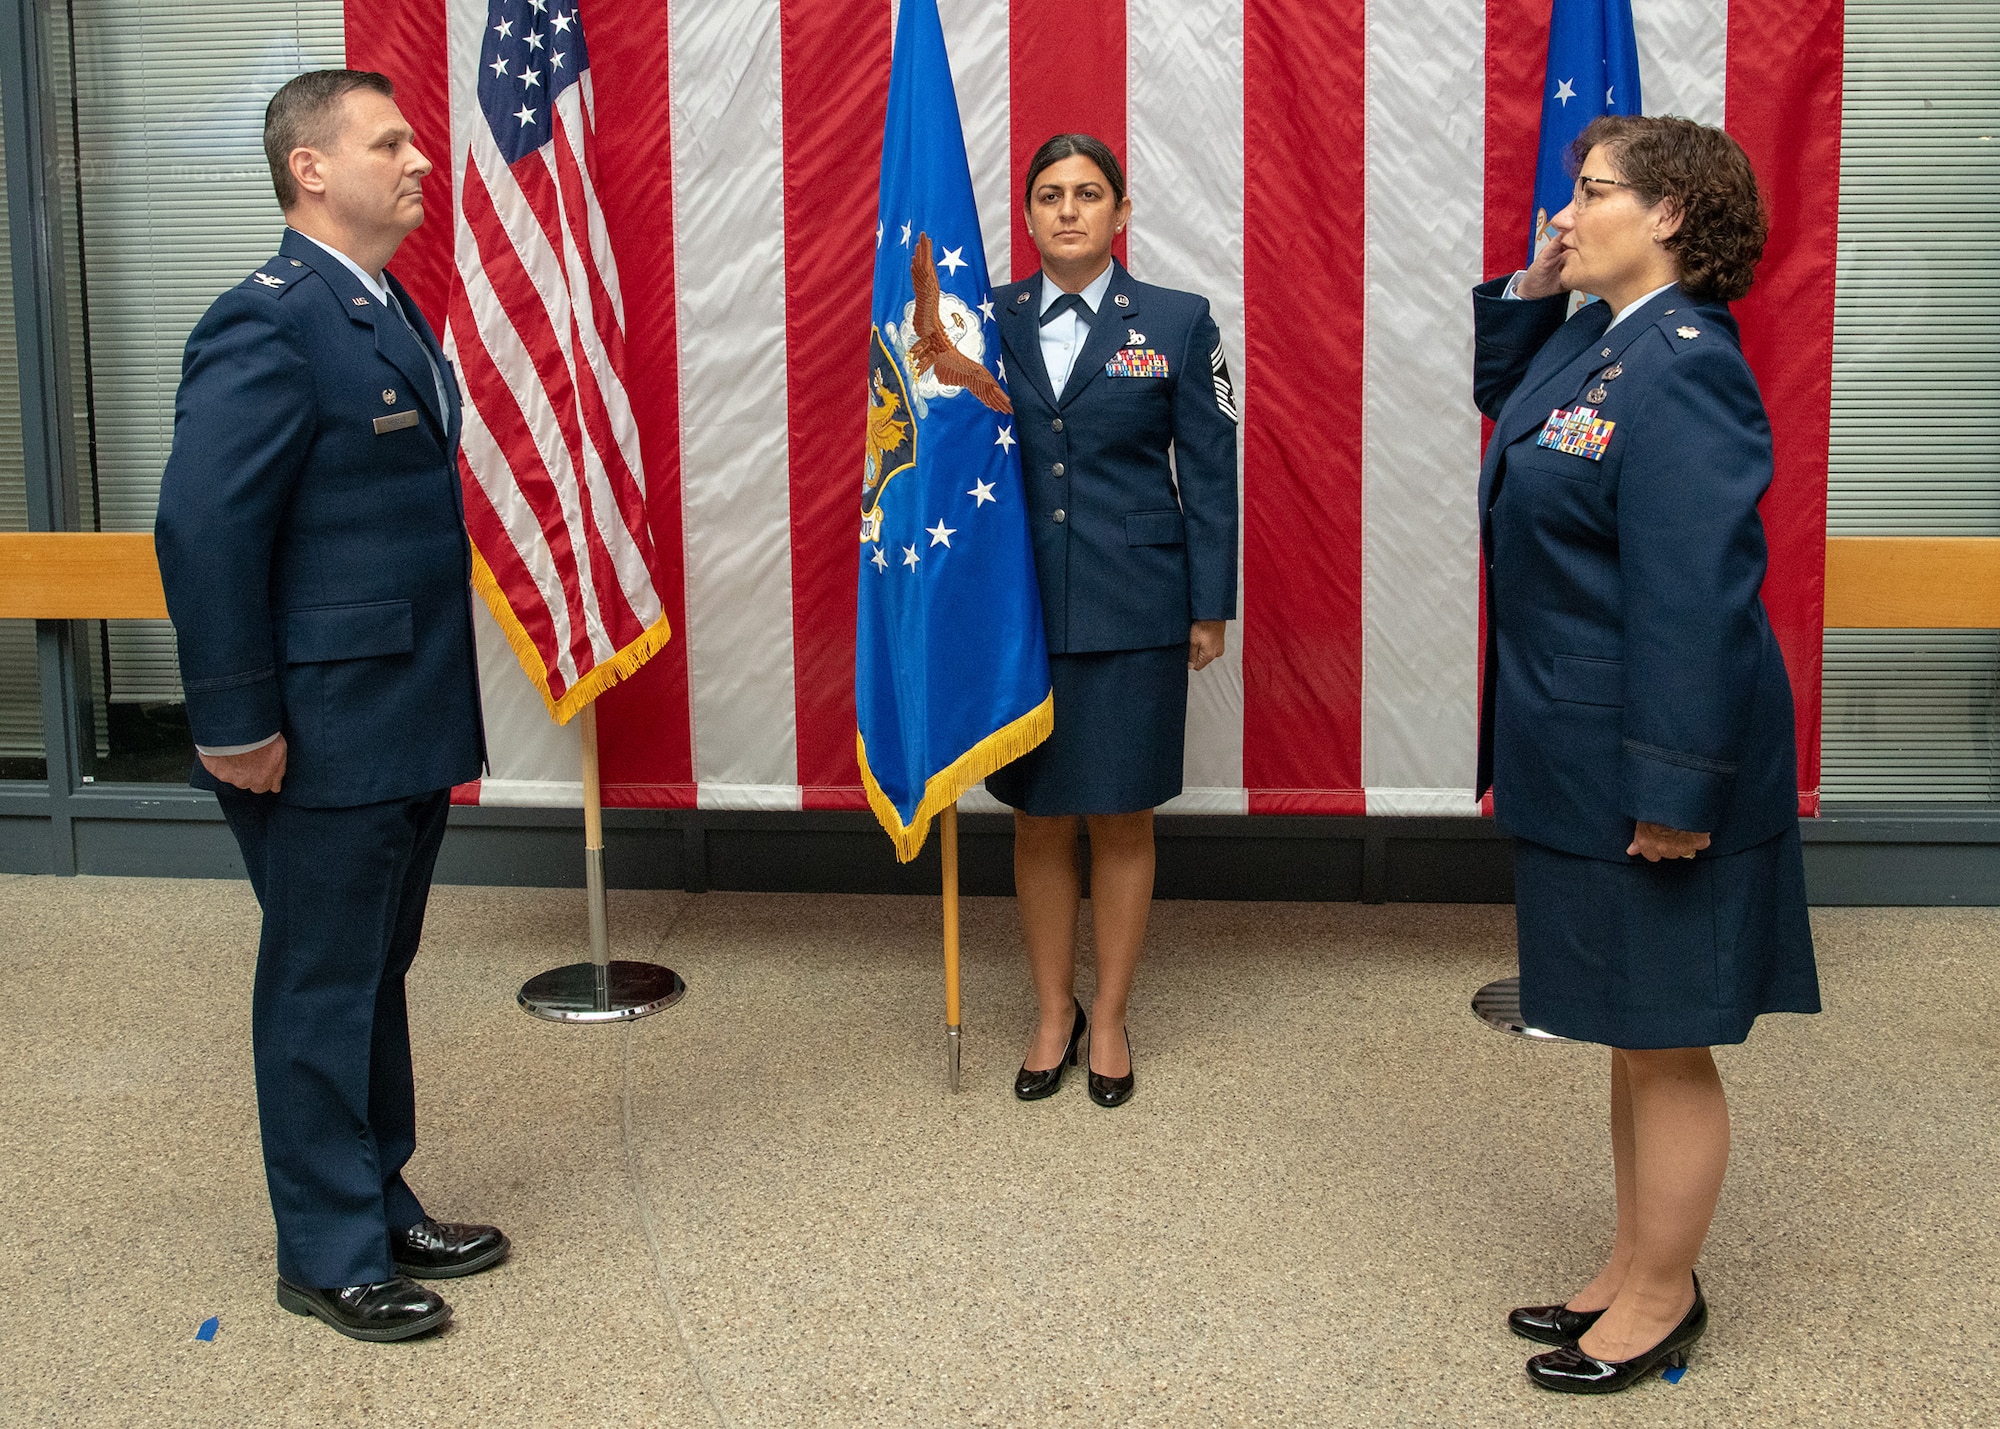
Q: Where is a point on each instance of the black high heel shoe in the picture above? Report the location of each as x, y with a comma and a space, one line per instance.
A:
1033, 1086
1568, 1370
1114, 1091
1551, 1324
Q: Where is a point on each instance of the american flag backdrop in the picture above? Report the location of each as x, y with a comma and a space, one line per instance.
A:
1333, 175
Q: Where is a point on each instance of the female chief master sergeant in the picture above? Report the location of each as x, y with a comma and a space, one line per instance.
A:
1127, 428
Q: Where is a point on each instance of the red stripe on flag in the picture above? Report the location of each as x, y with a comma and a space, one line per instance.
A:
1517, 53
1065, 74
1304, 130
643, 722
836, 84
1346, 803
501, 557
1783, 107
494, 397
406, 40
521, 298
621, 480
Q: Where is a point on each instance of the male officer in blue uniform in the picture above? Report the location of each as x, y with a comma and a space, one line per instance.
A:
312, 542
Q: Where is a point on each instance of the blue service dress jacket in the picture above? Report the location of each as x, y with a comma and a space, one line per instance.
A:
311, 537
1125, 561
1631, 672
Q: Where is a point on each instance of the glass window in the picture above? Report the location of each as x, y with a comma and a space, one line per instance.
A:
1912, 714
171, 205
22, 752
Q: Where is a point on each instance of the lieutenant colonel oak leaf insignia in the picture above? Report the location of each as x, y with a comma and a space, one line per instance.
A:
933, 351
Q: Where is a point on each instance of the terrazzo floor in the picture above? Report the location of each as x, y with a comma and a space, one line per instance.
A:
761, 1209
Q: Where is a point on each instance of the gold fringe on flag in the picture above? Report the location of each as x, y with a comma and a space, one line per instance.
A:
601, 677
942, 789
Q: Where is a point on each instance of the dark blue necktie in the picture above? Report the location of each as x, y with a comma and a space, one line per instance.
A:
1068, 302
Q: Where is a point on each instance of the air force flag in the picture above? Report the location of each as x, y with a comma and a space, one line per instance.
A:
1593, 70
951, 673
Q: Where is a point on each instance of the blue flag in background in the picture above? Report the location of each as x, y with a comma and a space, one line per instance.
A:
1593, 69
951, 672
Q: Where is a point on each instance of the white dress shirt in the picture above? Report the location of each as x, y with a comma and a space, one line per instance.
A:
1063, 337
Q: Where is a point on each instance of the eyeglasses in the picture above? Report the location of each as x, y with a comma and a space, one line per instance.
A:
1583, 194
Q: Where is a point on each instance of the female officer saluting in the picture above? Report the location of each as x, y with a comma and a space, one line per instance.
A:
1137, 572
1637, 724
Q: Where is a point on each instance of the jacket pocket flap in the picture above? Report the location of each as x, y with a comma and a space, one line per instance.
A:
1585, 680
1155, 528
349, 632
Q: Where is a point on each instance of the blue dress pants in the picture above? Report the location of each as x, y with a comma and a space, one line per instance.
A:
343, 894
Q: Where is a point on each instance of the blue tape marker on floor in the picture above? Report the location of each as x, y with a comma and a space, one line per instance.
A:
208, 1328
1673, 1376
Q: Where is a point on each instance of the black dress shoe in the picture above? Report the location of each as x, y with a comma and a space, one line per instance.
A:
387, 1310
1568, 1370
438, 1250
1114, 1091
1551, 1324
1033, 1086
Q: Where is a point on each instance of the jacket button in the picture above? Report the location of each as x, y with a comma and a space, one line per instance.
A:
1060, 516
1057, 469
1057, 424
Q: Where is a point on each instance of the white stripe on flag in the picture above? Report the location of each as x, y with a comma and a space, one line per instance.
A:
563, 285
1683, 57
1423, 803
531, 760
729, 252
1184, 160
1420, 451
976, 37
502, 341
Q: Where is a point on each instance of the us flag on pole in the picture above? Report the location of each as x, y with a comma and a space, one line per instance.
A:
554, 480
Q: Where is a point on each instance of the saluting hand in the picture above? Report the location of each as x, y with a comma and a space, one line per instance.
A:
1205, 642
1543, 277
1654, 842
261, 771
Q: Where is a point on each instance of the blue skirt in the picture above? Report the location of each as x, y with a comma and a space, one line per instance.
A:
1680, 953
1121, 725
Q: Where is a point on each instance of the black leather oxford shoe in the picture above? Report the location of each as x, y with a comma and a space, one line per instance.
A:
438, 1250
396, 1309
1551, 1324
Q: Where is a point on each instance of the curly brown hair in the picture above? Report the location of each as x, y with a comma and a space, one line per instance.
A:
1703, 173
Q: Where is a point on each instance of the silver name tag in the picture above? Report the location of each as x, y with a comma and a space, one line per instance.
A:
395, 422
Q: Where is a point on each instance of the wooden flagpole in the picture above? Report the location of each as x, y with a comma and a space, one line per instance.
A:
951, 1023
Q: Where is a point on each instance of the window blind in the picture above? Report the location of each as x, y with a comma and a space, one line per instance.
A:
176, 207
1915, 449
20, 687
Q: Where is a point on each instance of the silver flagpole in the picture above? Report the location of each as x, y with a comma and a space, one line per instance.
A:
600, 990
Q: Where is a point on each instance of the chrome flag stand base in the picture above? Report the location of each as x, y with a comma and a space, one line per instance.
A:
608, 992
951, 1044
600, 990
1498, 1005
